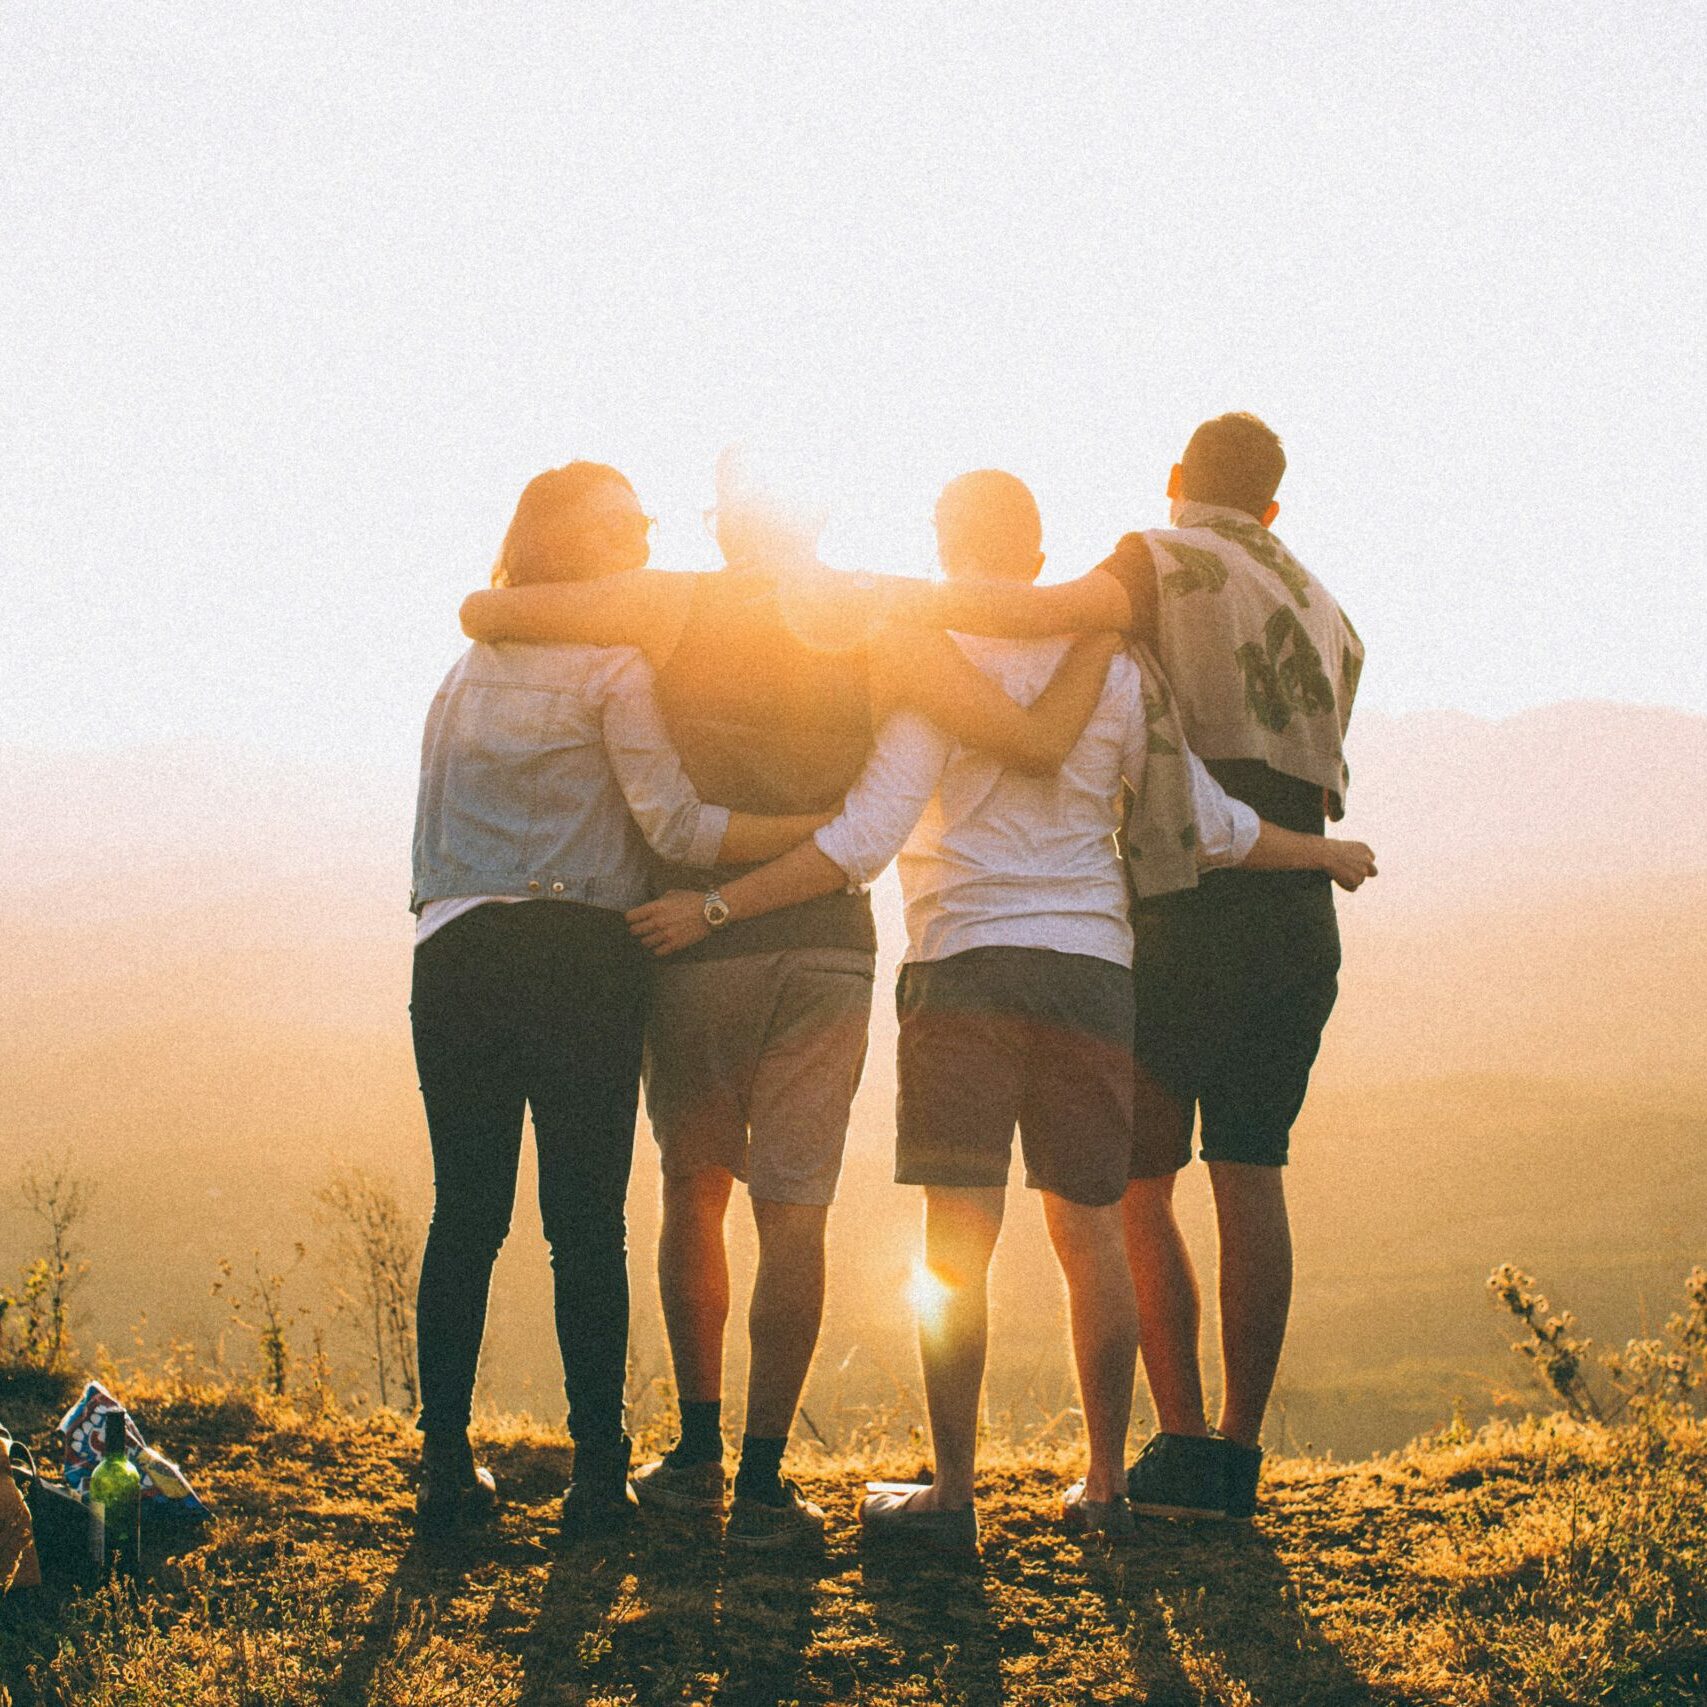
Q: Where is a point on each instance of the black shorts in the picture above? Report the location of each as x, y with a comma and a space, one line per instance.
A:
996, 1037
1233, 986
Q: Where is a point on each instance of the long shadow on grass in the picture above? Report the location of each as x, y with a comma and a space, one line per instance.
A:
671, 1616
1204, 1610
425, 1579
936, 1611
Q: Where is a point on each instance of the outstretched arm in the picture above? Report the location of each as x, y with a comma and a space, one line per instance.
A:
881, 809
1007, 611
644, 608
926, 672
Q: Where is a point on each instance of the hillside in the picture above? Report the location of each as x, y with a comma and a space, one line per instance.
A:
1543, 1563
207, 976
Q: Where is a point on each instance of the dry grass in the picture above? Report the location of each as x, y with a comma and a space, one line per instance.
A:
1543, 1563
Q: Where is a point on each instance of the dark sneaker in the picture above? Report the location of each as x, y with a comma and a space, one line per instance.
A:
1179, 1475
1240, 1467
448, 1498
887, 1514
598, 1500
761, 1527
1109, 1521
694, 1489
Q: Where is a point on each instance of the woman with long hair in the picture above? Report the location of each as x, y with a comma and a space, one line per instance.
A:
545, 772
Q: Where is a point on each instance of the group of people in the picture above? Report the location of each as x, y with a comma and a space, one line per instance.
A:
651, 806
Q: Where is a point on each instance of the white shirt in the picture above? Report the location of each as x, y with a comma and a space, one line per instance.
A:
992, 858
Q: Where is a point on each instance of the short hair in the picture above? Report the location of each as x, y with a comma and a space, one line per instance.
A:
527, 554
1234, 460
990, 516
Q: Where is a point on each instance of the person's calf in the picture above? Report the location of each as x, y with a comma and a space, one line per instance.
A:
1169, 1312
1256, 1290
693, 1280
1090, 1247
786, 1311
961, 1228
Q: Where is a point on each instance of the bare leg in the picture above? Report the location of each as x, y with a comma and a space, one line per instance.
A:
693, 1280
1092, 1253
1169, 1311
1256, 1289
961, 1225
787, 1308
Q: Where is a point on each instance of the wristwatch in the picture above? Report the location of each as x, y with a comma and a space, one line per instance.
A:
716, 910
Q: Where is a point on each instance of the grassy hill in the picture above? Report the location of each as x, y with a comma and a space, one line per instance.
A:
1544, 1562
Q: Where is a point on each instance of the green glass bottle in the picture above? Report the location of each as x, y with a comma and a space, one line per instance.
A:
115, 1502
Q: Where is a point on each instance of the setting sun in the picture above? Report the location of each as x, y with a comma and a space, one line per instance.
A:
752, 748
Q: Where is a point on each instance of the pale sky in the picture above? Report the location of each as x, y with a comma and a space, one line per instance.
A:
296, 298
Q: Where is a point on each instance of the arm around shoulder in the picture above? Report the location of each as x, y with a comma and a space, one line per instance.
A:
644, 608
928, 673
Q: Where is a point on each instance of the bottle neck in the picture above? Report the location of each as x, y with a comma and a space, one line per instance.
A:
112, 1434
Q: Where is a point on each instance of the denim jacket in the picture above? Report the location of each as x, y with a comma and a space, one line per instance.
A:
545, 770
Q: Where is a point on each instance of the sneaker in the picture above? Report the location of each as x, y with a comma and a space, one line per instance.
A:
598, 1500
1179, 1475
1107, 1520
695, 1489
761, 1527
446, 1497
887, 1514
1240, 1467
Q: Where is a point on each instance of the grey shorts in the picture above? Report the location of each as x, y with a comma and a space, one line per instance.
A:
996, 1037
752, 1062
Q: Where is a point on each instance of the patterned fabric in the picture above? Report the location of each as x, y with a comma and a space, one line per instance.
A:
1263, 661
1159, 836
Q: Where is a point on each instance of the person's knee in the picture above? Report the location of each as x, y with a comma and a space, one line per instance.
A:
587, 1235
790, 1229
1248, 1188
1088, 1238
469, 1230
1147, 1209
962, 1224
702, 1196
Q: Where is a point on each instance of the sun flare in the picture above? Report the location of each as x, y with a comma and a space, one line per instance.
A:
928, 1294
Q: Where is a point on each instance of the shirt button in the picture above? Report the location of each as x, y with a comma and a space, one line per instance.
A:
534, 885
557, 889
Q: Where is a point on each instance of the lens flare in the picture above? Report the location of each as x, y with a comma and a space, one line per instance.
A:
929, 1295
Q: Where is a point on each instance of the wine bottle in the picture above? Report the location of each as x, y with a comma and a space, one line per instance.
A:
115, 1502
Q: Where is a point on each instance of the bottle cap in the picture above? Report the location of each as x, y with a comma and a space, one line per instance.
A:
113, 1432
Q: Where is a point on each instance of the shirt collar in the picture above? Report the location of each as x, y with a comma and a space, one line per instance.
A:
1191, 514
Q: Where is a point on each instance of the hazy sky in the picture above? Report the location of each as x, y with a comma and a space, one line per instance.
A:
295, 298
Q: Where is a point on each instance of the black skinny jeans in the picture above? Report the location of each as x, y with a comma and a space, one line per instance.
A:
537, 1004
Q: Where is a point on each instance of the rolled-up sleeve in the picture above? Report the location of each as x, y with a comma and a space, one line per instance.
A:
1226, 828
887, 798
677, 824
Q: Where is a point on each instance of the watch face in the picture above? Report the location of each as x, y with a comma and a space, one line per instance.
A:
716, 911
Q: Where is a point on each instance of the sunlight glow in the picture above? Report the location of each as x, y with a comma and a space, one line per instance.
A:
929, 1294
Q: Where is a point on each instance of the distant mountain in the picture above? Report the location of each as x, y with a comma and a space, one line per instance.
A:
1558, 795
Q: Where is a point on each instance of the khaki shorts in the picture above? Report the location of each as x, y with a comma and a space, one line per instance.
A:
752, 1063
